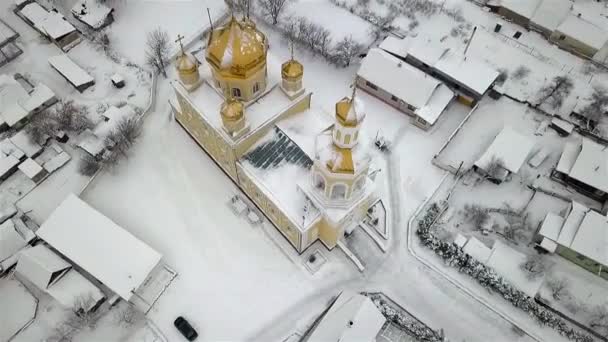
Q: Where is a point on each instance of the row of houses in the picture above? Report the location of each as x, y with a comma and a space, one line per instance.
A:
559, 22
421, 79
17, 103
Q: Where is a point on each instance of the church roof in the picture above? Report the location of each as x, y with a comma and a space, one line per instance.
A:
277, 150
185, 63
349, 115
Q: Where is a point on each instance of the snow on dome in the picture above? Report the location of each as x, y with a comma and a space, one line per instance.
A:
343, 160
348, 114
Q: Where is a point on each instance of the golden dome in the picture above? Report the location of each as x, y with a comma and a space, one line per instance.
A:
236, 49
292, 69
186, 64
342, 161
347, 114
232, 110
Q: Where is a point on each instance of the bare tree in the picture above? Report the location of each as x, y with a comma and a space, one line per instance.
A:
345, 50
476, 215
88, 165
558, 287
599, 318
272, 9
556, 91
516, 228
535, 266
239, 6
521, 72
128, 315
594, 111
42, 126
157, 50
79, 317
71, 116
502, 76
494, 168
124, 135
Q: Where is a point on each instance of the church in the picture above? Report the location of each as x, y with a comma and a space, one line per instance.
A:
306, 170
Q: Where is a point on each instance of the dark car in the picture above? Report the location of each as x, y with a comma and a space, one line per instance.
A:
185, 328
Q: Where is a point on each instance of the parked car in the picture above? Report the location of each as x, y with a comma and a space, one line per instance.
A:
185, 328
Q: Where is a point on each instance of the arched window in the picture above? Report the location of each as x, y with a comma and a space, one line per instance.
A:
236, 92
338, 191
347, 139
319, 182
256, 87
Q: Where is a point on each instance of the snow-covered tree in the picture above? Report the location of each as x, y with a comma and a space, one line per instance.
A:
157, 50
556, 91
595, 110
345, 50
535, 266
558, 287
272, 9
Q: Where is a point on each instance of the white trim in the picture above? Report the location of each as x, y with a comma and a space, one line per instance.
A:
334, 185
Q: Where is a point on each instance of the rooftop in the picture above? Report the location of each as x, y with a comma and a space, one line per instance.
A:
7, 34
10, 240
550, 14
30, 168
303, 128
23, 142
510, 148
583, 31
525, 8
70, 70
51, 23
102, 248
586, 161
91, 12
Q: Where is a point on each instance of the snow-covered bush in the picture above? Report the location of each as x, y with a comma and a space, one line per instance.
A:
345, 51
88, 165
521, 72
558, 288
65, 116
454, 256
599, 319
554, 93
534, 266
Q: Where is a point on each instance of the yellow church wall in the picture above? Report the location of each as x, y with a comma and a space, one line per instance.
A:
245, 85
275, 214
328, 233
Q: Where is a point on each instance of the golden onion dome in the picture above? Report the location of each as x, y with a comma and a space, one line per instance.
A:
186, 64
237, 49
349, 114
232, 110
341, 161
292, 69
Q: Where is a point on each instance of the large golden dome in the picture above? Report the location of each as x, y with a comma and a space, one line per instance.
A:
237, 49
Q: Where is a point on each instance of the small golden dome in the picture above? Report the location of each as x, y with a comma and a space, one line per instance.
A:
236, 49
347, 114
232, 110
186, 64
292, 69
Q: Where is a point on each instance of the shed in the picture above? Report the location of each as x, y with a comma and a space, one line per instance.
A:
24, 143
73, 73
549, 14
94, 14
41, 266
99, 246
584, 165
32, 170
117, 80
510, 148
8, 165
563, 127
579, 36
56, 162
352, 317
11, 241
50, 24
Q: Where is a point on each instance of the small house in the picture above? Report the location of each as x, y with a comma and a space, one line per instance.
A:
25, 143
71, 72
118, 81
91, 143
8, 166
404, 87
351, 317
17, 104
56, 162
582, 165
11, 242
94, 14
50, 24
507, 153
579, 36
32, 170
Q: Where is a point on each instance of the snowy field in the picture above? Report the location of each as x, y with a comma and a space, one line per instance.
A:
22, 306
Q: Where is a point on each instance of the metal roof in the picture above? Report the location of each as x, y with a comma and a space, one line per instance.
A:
279, 148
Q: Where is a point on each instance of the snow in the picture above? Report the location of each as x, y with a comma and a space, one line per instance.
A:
510, 147
23, 142
10, 240
117, 78
566, 126
73, 287
50, 23
525, 8
19, 306
573, 221
8, 148
441, 98
95, 13
570, 153
583, 31
551, 226
90, 142
469, 71
39, 265
551, 13
505, 261
31, 168
303, 128
352, 317
477, 250
89, 248
591, 166
388, 73
591, 239
56, 162
114, 115
38, 97
7, 164
6, 33
66, 67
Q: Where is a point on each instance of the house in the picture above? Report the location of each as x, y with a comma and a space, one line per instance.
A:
580, 237
549, 15
56, 162
518, 11
404, 87
8, 49
43, 268
8, 165
468, 77
50, 24
72, 73
352, 317
583, 166
32, 170
17, 105
99, 247
579, 36
94, 14
507, 153
91, 143
14, 236
23, 142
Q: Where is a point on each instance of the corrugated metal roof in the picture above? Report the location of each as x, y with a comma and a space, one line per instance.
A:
280, 148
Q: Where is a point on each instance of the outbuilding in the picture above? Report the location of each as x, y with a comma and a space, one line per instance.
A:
72, 73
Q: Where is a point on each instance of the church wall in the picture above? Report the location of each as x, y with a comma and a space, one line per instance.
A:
206, 136
275, 214
328, 233
245, 85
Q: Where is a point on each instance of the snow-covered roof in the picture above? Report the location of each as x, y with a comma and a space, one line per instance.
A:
394, 45
525, 8
591, 165
573, 221
30, 168
74, 288
37, 264
551, 226
583, 31
7, 164
56, 162
102, 248
477, 250
506, 262
303, 128
114, 115
16, 103
572, 148
6, 33
550, 13
352, 317
564, 125
70, 70
8, 148
510, 147
397, 78
117, 78
51, 23
441, 98
91, 12
10, 240
23, 142
90, 142
327, 152
274, 161
591, 239
39, 96
472, 73
460, 240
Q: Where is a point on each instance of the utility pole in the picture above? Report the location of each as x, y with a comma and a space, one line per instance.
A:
469, 42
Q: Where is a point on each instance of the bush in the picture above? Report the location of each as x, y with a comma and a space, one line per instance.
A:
89, 166
476, 215
535, 266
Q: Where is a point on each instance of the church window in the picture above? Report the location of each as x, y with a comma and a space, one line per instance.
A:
338, 191
256, 87
319, 182
347, 139
356, 136
338, 134
236, 92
